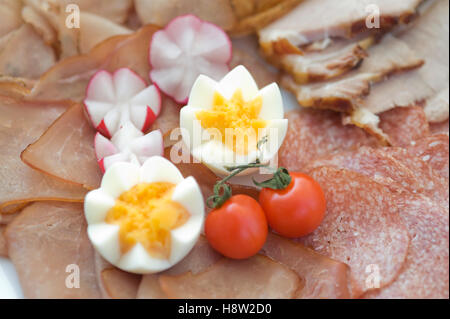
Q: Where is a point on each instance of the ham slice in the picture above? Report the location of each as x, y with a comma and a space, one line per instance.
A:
68, 79
322, 277
7, 218
433, 150
21, 124
246, 53
361, 227
160, 12
426, 270
9, 16
313, 134
113, 282
255, 278
95, 29
3, 248
42, 242
66, 145
40, 24
15, 57
404, 125
200, 258
119, 284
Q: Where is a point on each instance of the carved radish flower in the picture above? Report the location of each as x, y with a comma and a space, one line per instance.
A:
115, 99
128, 145
184, 49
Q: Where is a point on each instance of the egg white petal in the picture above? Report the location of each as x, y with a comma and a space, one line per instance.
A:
202, 93
159, 169
138, 261
238, 78
105, 239
184, 238
272, 103
188, 194
97, 203
120, 177
191, 131
276, 132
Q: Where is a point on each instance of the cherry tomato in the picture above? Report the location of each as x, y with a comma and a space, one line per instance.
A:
238, 229
296, 210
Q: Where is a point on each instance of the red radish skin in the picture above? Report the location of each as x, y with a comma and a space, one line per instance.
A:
198, 27
106, 91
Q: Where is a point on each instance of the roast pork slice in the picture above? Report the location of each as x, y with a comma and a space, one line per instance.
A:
337, 59
389, 56
315, 20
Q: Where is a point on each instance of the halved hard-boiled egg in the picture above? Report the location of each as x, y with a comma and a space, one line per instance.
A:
144, 219
225, 122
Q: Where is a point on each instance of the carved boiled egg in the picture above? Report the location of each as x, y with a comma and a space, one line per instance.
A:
144, 219
224, 122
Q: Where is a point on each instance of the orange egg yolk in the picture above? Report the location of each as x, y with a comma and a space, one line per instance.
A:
146, 214
241, 116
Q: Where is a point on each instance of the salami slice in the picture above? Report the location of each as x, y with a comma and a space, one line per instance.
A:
391, 166
322, 277
433, 150
440, 128
426, 269
404, 124
43, 242
312, 134
256, 277
361, 228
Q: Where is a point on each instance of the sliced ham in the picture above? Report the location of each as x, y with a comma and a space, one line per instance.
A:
426, 270
9, 16
25, 54
361, 227
313, 134
404, 125
43, 242
255, 278
6, 218
322, 277
389, 56
66, 150
3, 248
160, 12
200, 258
95, 29
433, 150
246, 53
119, 284
68, 79
314, 20
40, 24
20, 125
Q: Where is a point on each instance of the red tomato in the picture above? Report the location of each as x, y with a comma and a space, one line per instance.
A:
296, 210
238, 229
